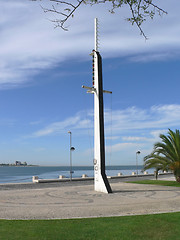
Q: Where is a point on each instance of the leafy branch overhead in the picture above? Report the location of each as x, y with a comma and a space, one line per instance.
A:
140, 10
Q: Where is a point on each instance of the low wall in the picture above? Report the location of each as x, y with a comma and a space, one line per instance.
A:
36, 179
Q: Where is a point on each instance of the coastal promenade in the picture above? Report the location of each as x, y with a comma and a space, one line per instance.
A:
79, 200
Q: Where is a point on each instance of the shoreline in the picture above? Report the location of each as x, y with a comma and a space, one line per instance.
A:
18, 174
84, 177
46, 183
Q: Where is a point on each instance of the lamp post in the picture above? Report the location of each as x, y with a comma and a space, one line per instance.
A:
71, 149
138, 152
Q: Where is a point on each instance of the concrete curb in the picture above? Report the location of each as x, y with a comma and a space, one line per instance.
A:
35, 179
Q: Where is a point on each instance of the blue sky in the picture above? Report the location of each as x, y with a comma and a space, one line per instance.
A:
42, 70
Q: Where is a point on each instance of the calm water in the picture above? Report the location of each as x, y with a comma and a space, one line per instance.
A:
24, 174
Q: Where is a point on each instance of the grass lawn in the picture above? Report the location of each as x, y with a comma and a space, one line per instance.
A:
158, 182
158, 226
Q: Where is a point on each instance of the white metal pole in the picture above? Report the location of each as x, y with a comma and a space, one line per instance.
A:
70, 133
138, 152
96, 34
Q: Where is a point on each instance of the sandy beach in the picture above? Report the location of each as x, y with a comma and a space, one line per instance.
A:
79, 200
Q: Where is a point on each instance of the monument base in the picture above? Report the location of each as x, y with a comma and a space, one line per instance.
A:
101, 184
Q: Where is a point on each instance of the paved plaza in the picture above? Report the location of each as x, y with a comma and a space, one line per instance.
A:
79, 200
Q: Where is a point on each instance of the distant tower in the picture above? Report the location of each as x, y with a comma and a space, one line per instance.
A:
101, 183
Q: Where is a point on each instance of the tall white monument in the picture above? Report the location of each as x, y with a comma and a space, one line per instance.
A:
101, 183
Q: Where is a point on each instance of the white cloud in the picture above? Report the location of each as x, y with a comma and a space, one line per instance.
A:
7, 122
134, 128
156, 133
57, 127
136, 139
154, 57
154, 120
30, 44
122, 146
35, 122
112, 137
157, 117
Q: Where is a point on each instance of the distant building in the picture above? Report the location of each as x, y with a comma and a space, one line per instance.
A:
17, 163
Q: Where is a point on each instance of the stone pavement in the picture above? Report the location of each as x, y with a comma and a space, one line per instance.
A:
80, 201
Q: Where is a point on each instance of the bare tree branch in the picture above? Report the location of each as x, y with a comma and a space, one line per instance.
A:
66, 13
155, 6
137, 20
140, 10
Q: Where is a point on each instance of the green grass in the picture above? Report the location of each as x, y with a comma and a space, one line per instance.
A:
143, 227
158, 182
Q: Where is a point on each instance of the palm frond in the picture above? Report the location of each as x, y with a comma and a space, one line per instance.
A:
165, 154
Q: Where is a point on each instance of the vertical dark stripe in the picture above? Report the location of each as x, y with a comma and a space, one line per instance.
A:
101, 124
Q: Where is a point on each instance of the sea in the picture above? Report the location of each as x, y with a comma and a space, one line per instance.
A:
22, 174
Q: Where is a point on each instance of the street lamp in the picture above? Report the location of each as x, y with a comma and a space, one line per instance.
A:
138, 152
71, 149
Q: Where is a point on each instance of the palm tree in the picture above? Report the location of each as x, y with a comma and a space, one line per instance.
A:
166, 154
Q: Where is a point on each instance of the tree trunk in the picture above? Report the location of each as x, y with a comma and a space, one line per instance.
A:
177, 179
177, 174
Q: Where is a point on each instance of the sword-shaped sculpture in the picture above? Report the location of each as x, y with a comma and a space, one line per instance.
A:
101, 183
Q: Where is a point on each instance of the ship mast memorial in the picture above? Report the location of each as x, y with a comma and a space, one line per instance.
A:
101, 183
